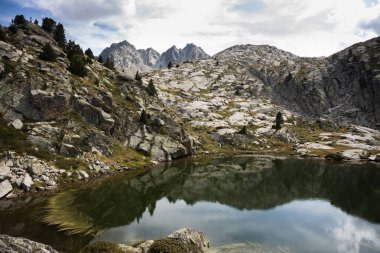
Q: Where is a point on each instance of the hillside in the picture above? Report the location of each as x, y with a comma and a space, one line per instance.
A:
76, 126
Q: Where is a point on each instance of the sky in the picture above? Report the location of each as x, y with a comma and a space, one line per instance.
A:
303, 27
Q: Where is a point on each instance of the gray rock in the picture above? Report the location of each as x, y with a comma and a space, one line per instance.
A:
190, 236
69, 150
5, 188
17, 124
27, 182
36, 169
5, 171
84, 174
10, 244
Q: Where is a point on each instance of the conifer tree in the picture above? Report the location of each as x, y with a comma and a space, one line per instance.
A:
59, 35
48, 53
151, 88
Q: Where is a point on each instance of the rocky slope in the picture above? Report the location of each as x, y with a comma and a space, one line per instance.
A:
93, 124
71, 123
128, 59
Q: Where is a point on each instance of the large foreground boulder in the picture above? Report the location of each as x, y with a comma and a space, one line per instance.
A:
10, 244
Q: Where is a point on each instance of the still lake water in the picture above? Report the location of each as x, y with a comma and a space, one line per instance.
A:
297, 205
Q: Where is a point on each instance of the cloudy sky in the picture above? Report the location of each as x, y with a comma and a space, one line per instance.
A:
303, 27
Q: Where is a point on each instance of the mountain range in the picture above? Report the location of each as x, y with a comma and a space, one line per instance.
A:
128, 59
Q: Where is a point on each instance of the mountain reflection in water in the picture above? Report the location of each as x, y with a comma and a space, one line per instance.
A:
299, 204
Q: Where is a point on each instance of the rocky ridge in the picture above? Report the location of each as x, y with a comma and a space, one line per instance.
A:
129, 60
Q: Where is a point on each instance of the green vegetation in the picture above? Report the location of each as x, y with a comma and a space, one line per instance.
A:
70, 163
126, 157
48, 53
48, 25
138, 78
59, 35
89, 53
109, 64
151, 88
78, 65
19, 20
102, 247
279, 121
144, 118
2, 35
170, 245
243, 130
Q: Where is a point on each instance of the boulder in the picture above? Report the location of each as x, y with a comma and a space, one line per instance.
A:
27, 182
191, 237
22, 245
17, 124
36, 169
334, 156
69, 150
353, 154
5, 188
5, 171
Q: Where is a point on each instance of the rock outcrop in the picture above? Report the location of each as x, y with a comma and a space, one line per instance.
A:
21, 245
129, 60
177, 55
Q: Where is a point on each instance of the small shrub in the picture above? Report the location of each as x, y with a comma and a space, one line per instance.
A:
12, 29
102, 247
170, 65
243, 130
69, 163
100, 59
48, 53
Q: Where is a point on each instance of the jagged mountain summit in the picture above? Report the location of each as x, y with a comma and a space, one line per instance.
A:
175, 55
129, 60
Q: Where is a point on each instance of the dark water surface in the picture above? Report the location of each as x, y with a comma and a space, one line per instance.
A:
300, 205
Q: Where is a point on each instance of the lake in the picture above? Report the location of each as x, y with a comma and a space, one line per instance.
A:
294, 205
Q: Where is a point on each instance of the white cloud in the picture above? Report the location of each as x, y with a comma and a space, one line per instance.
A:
307, 28
350, 235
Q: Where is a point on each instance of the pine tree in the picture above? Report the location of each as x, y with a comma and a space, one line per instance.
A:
138, 78
73, 49
59, 35
100, 59
36, 22
2, 34
279, 121
151, 88
19, 20
89, 53
48, 25
77, 65
170, 65
144, 117
48, 53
